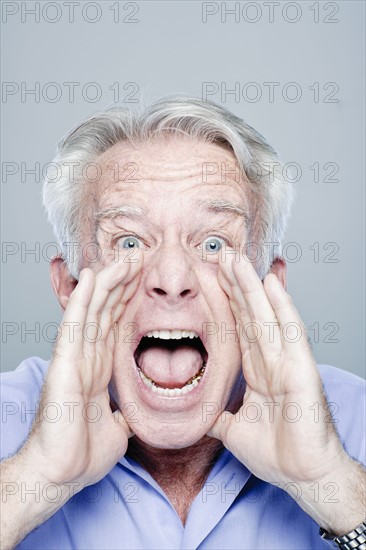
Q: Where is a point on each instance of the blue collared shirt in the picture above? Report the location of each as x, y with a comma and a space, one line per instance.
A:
128, 509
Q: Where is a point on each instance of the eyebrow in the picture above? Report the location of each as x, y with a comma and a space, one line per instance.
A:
131, 211
134, 212
220, 206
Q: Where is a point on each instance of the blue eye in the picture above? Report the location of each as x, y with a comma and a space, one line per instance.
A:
129, 243
213, 245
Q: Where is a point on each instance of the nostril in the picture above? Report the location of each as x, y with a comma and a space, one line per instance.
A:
185, 292
159, 291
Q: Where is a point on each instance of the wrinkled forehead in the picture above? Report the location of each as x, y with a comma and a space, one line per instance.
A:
166, 184
182, 161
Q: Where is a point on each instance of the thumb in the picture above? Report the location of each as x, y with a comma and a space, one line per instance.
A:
219, 428
120, 419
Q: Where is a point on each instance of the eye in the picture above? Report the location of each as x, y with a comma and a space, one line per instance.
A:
129, 242
212, 245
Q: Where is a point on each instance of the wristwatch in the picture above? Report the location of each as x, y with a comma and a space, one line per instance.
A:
356, 539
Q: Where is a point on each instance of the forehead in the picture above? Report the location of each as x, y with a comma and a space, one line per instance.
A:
169, 168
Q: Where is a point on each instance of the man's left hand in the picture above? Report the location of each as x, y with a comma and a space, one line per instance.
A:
284, 432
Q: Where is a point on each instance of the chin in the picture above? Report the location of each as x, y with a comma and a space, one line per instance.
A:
170, 435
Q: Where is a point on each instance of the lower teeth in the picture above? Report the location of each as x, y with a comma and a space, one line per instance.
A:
172, 392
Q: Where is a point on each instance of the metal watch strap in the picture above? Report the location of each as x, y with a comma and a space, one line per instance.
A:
356, 539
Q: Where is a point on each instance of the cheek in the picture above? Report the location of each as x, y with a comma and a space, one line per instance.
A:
213, 293
206, 273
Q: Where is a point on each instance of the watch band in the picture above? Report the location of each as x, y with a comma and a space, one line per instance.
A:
356, 539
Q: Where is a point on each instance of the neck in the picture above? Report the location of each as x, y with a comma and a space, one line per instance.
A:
181, 473
195, 461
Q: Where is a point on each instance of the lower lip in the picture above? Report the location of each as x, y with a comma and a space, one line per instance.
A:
154, 397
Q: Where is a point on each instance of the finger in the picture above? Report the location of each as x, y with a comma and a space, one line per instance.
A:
236, 300
247, 280
102, 370
109, 322
291, 326
252, 304
116, 303
112, 309
251, 355
105, 281
99, 337
70, 343
117, 274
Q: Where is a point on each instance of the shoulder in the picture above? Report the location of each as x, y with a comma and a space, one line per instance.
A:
346, 395
335, 376
30, 371
20, 391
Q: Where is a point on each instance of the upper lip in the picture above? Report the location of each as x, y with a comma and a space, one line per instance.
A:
143, 332
170, 330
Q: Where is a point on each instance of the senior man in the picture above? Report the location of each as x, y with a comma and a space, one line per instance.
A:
182, 406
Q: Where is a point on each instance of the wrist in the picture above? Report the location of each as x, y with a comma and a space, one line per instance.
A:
339, 505
26, 486
355, 539
28, 498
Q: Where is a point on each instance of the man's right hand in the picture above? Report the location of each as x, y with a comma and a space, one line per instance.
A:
87, 439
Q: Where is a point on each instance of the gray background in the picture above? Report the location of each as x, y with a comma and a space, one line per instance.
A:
169, 49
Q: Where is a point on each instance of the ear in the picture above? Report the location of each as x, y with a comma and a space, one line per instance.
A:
279, 268
62, 282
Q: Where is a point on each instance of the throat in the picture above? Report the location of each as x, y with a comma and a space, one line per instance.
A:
181, 473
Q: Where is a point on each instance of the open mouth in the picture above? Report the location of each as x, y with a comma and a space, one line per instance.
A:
171, 363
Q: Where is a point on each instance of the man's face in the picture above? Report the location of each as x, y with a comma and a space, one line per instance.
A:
166, 382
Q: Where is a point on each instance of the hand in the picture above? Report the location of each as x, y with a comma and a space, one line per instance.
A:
87, 439
279, 369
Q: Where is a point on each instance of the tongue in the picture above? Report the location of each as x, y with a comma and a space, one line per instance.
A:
170, 368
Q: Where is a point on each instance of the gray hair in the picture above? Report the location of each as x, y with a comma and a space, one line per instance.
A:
269, 193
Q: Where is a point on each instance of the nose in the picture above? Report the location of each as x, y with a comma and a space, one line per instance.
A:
170, 278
